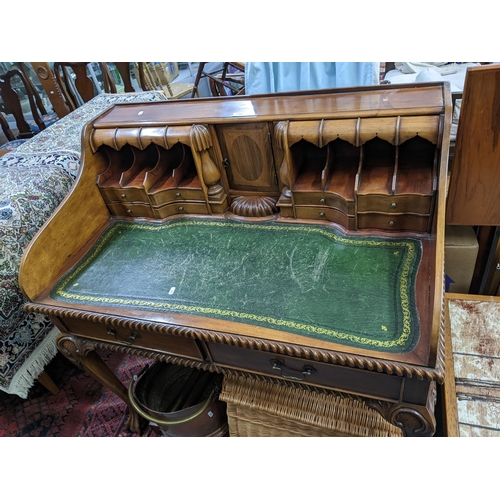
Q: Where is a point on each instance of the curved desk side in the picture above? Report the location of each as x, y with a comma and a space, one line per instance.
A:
81, 214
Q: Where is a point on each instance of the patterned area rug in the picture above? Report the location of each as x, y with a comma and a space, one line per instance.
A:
34, 178
83, 408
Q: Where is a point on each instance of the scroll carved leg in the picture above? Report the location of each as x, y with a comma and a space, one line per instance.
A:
413, 420
82, 354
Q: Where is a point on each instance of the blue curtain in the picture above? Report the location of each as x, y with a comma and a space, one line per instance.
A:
266, 77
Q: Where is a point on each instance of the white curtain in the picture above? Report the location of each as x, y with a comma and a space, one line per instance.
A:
267, 77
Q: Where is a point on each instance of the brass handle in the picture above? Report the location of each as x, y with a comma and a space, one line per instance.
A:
131, 339
292, 374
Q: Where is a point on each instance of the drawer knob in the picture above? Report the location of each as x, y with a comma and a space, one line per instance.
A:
391, 223
322, 200
393, 205
322, 214
290, 374
181, 209
123, 196
129, 211
178, 195
131, 339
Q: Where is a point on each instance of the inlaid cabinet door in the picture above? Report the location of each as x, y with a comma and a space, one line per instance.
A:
248, 157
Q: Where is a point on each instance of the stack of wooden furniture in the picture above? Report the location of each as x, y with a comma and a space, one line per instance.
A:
341, 168
153, 76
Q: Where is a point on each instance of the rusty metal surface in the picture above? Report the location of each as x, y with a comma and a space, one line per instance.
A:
475, 330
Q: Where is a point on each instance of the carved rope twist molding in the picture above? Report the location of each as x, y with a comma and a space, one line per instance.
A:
440, 361
156, 356
319, 355
202, 365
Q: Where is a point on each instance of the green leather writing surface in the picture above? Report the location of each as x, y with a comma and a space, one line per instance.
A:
304, 279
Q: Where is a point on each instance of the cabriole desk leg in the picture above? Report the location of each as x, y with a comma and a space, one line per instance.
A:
413, 419
82, 354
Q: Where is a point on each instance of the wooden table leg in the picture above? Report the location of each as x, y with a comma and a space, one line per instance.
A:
82, 354
48, 383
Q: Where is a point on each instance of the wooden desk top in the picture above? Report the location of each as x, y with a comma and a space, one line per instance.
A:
358, 102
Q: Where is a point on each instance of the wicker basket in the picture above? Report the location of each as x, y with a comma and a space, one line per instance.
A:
267, 408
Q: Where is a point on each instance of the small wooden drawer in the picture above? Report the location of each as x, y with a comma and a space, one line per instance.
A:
395, 204
326, 214
306, 371
168, 344
172, 195
124, 195
180, 208
397, 222
322, 199
131, 209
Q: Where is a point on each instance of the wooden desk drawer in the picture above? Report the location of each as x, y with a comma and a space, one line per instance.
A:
397, 222
162, 342
131, 209
330, 376
123, 195
321, 199
394, 204
327, 214
180, 194
143, 210
180, 208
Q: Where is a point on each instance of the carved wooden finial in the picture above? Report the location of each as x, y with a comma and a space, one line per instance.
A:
281, 132
201, 142
200, 138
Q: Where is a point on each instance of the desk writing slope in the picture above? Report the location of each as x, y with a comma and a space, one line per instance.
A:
312, 281
295, 237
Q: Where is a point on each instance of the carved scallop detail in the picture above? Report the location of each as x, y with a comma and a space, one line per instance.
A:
254, 206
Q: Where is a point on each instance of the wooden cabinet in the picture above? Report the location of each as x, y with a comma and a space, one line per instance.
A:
261, 193
248, 157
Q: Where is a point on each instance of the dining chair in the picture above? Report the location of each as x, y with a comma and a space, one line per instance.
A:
11, 84
224, 81
82, 89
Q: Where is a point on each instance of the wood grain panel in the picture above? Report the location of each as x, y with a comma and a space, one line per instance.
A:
474, 191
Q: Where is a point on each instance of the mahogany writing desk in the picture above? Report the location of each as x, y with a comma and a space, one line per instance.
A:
298, 237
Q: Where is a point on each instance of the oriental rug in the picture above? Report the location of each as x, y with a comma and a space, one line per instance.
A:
83, 408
